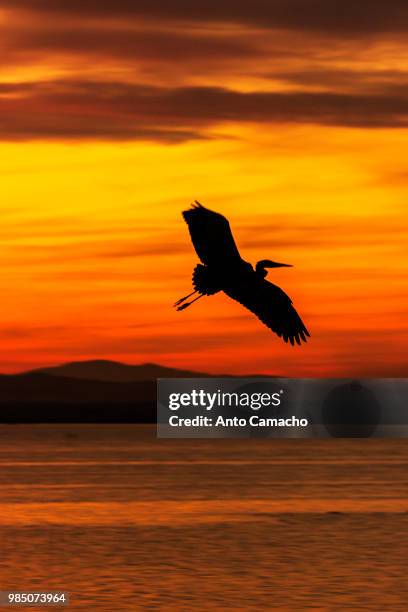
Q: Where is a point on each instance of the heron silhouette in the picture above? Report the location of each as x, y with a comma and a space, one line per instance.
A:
223, 269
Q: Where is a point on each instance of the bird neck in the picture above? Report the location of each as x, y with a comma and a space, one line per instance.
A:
260, 270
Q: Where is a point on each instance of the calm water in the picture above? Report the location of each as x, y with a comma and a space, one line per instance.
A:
127, 522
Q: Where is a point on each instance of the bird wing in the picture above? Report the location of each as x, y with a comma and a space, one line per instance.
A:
211, 235
273, 307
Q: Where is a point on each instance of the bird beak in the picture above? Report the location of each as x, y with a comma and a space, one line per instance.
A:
281, 265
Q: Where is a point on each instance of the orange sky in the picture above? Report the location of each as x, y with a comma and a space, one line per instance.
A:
293, 123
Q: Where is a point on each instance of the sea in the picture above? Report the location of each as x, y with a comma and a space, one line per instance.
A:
122, 520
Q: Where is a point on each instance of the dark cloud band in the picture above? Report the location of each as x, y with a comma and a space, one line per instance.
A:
114, 110
364, 16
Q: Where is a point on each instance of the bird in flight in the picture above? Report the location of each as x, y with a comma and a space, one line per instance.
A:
223, 269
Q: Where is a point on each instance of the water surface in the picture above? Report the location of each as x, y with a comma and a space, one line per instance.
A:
124, 521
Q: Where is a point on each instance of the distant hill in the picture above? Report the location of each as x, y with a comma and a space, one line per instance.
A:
45, 398
41, 387
97, 391
114, 371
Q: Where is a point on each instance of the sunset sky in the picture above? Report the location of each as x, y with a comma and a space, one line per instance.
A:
288, 116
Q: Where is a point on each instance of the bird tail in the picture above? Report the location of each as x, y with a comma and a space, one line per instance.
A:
205, 281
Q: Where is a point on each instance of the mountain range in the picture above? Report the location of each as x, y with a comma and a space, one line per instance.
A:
114, 371
85, 391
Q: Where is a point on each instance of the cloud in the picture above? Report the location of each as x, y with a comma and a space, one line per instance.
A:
28, 42
121, 111
375, 231
20, 332
148, 250
84, 110
350, 80
363, 17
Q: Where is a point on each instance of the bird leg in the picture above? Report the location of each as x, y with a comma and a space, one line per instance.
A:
183, 299
183, 306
